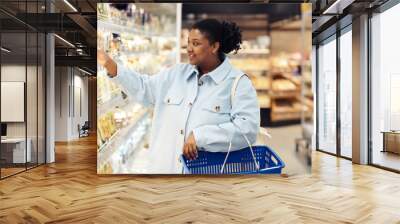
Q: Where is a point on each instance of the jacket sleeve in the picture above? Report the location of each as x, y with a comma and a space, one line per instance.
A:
245, 119
146, 89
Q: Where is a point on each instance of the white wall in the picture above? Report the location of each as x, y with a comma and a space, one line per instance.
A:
71, 94
61, 103
12, 73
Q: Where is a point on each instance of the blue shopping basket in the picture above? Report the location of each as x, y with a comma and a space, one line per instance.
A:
249, 160
237, 162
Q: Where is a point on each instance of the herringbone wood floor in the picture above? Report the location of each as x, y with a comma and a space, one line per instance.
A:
70, 191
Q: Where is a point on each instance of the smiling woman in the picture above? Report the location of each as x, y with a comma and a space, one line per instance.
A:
193, 109
211, 36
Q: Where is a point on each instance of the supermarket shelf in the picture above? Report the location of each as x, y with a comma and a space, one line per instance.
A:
253, 51
106, 150
262, 89
308, 93
130, 30
111, 140
265, 106
103, 108
264, 101
249, 70
285, 94
242, 52
295, 80
307, 102
146, 53
285, 116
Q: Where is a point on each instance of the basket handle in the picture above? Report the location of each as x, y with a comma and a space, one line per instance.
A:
229, 149
265, 132
233, 91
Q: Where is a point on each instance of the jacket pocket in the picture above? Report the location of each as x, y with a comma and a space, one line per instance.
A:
173, 99
218, 107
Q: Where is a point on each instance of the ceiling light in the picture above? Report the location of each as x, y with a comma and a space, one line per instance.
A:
5, 49
70, 5
338, 6
64, 40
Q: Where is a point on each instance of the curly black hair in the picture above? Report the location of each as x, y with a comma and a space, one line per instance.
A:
228, 34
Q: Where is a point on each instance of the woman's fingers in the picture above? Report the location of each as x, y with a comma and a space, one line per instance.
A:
185, 152
104, 60
193, 151
190, 151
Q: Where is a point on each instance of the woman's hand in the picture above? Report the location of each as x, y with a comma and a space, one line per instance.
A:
104, 60
190, 148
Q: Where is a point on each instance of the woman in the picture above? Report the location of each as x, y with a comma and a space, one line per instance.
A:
192, 102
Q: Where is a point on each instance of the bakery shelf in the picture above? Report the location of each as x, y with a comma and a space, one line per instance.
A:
285, 116
131, 30
264, 101
253, 51
284, 94
259, 89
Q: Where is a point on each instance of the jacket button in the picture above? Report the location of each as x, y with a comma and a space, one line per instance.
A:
168, 101
181, 132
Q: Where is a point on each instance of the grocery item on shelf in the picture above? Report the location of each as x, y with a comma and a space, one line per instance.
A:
283, 85
264, 100
261, 82
285, 109
118, 119
120, 151
143, 54
135, 17
106, 126
106, 88
251, 64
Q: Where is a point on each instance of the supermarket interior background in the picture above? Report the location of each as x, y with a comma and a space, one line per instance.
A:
150, 37
326, 75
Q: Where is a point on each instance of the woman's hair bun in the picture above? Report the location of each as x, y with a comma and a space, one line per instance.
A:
231, 37
228, 34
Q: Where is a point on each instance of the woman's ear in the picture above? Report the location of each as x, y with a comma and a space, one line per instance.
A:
215, 47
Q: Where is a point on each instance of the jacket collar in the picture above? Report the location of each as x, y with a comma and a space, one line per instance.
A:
218, 74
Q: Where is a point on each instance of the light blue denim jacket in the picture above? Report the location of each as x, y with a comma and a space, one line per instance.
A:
183, 103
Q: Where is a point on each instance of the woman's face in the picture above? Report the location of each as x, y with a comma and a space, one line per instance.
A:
199, 48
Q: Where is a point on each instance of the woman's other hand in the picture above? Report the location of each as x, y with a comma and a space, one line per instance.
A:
190, 148
104, 60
